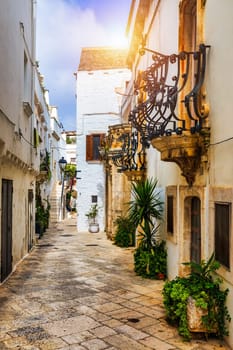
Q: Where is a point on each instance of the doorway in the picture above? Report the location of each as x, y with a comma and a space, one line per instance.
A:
6, 228
30, 220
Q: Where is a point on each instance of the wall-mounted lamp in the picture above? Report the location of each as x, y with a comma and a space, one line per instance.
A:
62, 164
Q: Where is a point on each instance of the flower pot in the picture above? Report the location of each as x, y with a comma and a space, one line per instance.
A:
161, 276
93, 228
194, 316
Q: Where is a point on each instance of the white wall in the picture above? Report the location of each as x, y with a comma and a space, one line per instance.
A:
219, 84
17, 154
97, 108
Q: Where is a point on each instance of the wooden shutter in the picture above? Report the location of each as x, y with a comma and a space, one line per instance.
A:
170, 223
222, 233
89, 147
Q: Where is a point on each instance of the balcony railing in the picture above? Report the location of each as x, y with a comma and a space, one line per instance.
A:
169, 77
131, 156
124, 148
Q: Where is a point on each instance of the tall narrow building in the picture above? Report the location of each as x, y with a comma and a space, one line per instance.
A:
101, 73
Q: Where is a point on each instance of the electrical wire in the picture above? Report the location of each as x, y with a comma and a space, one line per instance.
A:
222, 141
21, 135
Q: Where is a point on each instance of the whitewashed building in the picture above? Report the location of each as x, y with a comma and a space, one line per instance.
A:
181, 63
58, 151
19, 163
30, 148
100, 72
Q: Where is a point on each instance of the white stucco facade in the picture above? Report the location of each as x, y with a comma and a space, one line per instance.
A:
163, 24
18, 164
26, 135
97, 108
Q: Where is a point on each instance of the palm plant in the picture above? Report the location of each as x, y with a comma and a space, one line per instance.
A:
144, 209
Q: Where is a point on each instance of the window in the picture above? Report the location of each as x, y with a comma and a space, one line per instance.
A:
92, 146
170, 223
94, 199
222, 233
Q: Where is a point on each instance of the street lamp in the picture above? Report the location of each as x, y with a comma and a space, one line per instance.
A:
62, 164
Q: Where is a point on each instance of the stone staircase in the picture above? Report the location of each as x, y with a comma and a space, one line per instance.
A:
55, 202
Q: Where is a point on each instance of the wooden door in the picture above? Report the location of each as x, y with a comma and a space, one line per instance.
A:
30, 219
6, 228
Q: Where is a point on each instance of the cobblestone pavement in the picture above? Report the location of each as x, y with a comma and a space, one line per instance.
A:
78, 291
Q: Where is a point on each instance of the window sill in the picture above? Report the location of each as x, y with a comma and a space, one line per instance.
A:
93, 161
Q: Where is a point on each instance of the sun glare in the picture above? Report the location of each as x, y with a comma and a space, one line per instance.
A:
118, 41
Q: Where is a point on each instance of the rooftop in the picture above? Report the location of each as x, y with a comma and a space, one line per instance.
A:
98, 58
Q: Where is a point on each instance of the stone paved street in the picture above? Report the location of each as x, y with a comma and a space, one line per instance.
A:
78, 291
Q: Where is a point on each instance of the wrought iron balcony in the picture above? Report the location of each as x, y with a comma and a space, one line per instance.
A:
131, 157
159, 115
174, 106
125, 150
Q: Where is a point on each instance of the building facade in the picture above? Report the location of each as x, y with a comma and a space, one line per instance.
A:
18, 158
182, 87
100, 72
29, 152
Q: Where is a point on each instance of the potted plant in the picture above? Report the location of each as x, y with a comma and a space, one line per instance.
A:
150, 257
125, 232
92, 215
41, 220
199, 294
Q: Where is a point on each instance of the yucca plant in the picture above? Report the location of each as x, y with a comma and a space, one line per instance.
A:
145, 208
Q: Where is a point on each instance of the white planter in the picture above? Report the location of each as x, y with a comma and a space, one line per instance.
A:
94, 228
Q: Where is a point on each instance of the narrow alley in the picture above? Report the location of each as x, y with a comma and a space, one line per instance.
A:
79, 291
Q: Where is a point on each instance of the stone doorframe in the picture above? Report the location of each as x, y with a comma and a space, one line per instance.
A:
182, 221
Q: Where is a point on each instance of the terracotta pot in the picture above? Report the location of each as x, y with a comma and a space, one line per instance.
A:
160, 276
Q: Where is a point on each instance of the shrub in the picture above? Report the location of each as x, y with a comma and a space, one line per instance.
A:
125, 232
151, 263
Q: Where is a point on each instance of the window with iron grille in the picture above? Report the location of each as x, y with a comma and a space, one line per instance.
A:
170, 221
222, 233
92, 146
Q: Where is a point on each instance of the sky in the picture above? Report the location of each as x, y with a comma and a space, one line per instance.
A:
65, 26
